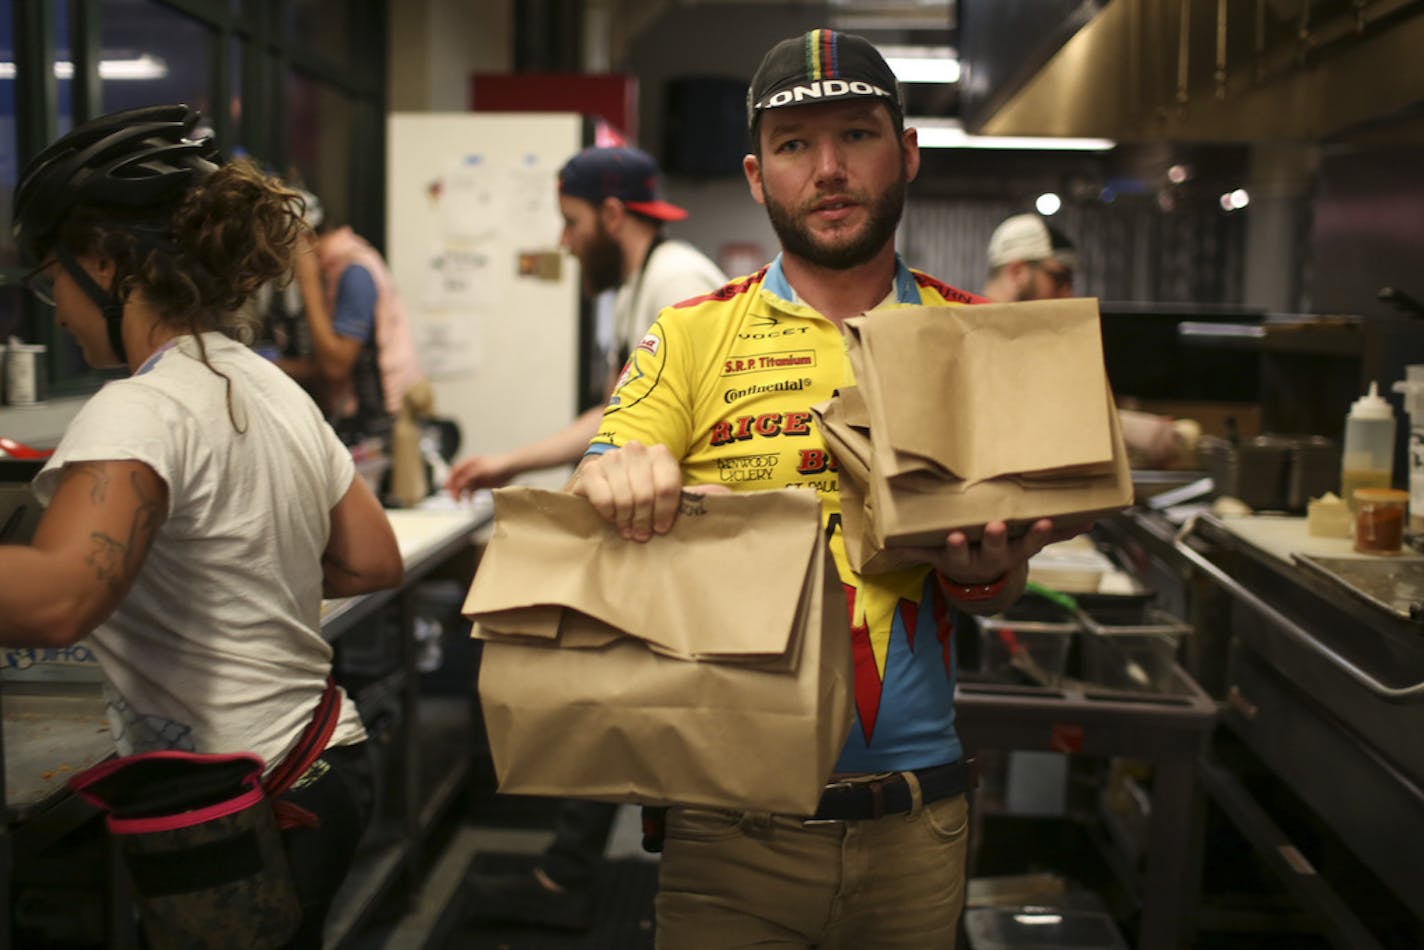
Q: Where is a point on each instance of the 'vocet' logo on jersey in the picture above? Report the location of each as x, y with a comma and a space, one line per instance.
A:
823, 89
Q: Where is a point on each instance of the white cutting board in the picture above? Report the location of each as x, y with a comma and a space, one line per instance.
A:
1283, 536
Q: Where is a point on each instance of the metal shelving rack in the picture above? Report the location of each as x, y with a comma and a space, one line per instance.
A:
1169, 728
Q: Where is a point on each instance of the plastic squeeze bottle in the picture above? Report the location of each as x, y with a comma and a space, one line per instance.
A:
1367, 460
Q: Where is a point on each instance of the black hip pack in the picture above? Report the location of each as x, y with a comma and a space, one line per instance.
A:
201, 837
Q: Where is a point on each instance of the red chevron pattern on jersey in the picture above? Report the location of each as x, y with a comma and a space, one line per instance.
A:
869, 684
869, 653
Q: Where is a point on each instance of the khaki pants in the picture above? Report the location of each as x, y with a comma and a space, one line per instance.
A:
731, 880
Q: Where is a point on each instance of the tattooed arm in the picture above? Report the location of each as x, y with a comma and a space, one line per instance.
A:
88, 548
361, 555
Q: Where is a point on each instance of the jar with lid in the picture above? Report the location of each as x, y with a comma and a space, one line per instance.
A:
1379, 520
1367, 459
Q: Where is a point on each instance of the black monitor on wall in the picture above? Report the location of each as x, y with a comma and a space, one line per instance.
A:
705, 126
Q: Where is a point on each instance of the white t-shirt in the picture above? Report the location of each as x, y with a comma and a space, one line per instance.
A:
675, 272
217, 647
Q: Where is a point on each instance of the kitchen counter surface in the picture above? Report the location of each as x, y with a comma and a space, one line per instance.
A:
1285, 537
1390, 583
53, 729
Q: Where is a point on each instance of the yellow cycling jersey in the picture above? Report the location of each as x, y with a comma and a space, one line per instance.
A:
726, 382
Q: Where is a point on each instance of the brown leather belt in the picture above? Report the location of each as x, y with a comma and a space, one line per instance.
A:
859, 801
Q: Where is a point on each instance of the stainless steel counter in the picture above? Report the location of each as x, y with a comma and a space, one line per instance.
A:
51, 731
1316, 653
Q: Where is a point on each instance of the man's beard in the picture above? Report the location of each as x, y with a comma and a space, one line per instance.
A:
602, 263
879, 229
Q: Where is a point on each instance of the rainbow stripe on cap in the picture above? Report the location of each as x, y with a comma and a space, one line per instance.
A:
821, 54
821, 66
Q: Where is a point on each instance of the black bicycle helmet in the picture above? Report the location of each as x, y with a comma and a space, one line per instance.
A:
130, 159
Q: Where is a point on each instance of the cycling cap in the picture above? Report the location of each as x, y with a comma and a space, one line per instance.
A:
821, 66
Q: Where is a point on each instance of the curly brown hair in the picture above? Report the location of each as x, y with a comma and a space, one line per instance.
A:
198, 258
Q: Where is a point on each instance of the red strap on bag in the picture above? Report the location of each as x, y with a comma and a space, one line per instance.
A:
309, 747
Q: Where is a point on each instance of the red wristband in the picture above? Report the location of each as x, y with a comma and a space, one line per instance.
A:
972, 593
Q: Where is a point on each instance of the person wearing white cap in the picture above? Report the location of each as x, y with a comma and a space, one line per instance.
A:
1029, 259
613, 226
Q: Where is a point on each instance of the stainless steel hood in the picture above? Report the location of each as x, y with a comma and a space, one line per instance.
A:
1219, 71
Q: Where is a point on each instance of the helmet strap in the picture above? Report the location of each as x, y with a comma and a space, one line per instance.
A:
111, 305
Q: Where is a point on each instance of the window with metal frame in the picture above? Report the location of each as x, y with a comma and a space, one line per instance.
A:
64, 61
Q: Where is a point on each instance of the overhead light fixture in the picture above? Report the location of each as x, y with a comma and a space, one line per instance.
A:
1048, 204
145, 66
1235, 200
922, 64
949, 133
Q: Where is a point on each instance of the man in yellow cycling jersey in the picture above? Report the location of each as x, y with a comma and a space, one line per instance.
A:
718, 393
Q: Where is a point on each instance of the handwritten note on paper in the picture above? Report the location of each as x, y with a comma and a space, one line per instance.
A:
446, 341
472, 206
531, 187
458, 278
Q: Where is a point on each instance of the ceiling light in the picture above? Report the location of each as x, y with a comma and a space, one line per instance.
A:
1235, 200
925, 70
929, 64
1048, 203
949, 133
144, 66
140, 67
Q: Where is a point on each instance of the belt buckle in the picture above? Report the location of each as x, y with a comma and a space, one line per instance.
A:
828, 787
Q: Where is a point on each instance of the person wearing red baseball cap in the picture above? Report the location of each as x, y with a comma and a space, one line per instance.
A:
613, 225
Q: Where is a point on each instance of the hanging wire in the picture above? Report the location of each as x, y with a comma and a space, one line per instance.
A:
1220, 49
1259, 48
1184, 45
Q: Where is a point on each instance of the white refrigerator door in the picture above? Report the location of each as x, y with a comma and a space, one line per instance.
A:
469, 198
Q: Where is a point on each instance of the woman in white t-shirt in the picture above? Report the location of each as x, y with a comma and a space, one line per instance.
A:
200, 508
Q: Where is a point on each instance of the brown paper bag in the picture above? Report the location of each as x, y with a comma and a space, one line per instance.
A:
908, 514
848, 442
709, 666
991, 412
989, 390
844, 426
890, 462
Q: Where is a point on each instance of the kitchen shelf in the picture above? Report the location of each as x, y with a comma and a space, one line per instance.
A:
1168, 728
